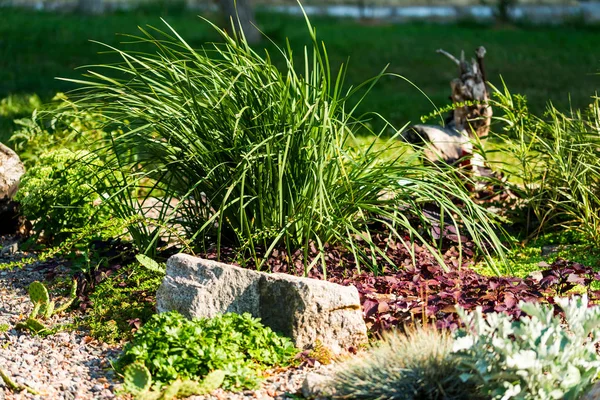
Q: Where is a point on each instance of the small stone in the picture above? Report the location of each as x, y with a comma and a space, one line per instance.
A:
315, 385
536, 275
29, 358
97, 388
9, 248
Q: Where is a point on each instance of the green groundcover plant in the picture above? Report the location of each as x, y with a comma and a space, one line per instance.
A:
173, 347
121, 302
243, 154
538, 356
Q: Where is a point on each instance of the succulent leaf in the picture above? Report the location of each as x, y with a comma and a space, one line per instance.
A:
36, 310
49, 309
189, 388
211, 382
70, 299
137, 379
38, 293
150, 395
31, 324
172, 391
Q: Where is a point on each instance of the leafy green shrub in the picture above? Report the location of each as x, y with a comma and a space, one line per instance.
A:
416, 365
173, 347
257, 157
535, 357
558, 163
56, 193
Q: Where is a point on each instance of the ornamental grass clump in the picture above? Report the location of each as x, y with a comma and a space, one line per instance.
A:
256, 158
417, 365
557, 164
535, 357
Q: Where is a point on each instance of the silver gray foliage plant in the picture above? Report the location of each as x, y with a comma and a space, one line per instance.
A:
415, 365
539, 356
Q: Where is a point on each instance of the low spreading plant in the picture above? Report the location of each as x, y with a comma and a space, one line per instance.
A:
249, 156
538, 356
531, 256
172, 347
415, 365
121, 303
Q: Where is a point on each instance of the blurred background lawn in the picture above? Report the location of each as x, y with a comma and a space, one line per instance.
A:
546, 63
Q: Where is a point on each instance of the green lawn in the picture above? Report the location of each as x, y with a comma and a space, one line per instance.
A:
545, 63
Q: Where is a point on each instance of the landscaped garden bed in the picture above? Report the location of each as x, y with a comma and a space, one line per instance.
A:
224, 154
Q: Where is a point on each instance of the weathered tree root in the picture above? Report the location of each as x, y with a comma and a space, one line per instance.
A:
470, 87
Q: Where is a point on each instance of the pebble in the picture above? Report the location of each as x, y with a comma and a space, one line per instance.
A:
67, 365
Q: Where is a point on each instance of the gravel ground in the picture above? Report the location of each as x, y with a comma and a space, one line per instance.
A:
72, 365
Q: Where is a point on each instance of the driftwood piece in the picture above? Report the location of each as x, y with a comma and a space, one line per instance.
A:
470, 87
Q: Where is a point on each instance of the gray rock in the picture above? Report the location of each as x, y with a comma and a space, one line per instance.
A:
11, 170
440, 143
594, 393
316, 386
97, 388
9, 248
300, 308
